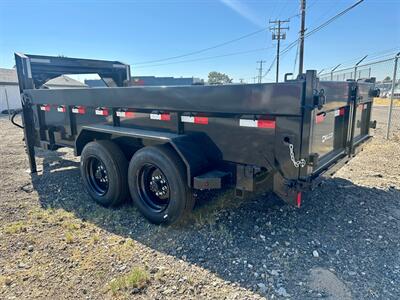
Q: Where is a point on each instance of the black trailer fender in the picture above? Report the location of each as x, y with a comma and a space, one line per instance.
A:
197, 151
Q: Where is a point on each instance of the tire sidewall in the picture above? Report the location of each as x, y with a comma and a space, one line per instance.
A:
99, 152
173, 174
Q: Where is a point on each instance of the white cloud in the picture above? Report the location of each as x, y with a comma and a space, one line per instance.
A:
243, 10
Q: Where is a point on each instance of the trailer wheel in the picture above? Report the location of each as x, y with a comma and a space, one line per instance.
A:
104, 170
156, 179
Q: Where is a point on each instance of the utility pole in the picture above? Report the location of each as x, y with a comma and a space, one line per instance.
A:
302, 31
260, 69
278, 34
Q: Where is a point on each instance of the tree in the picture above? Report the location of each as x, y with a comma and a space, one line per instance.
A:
387, 78
218, 78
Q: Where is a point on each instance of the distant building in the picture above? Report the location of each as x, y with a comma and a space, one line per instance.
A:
95, 83
9, 89
150, 81
63, 82
164, 81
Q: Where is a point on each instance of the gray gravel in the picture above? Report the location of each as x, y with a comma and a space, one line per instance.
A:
342, 244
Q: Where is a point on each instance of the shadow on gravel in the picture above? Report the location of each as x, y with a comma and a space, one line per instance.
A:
349, 231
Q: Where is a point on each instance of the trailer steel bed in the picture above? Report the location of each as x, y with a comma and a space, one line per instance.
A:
277, 136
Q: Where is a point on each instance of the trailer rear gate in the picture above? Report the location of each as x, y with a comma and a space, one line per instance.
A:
281, 136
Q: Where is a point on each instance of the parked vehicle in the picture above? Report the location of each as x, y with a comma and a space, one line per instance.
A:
159, 144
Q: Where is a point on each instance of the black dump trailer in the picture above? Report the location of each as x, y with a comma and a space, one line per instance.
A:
160, 144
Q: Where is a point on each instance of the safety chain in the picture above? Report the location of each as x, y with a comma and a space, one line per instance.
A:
297, 163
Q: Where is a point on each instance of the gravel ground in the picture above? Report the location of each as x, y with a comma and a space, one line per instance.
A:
56, 243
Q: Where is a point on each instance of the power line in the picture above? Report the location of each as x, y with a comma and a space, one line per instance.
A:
321, 16
206, 58
318, 28
286, 49
202, 50
282, 8
326, 23
295, 58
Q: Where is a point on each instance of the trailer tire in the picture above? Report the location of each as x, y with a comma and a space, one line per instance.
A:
104, 170
159, 170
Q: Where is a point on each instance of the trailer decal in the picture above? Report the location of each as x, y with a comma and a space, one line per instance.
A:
327, 137
45, 107
102, 112
257, 123
61, 108
78, 110
161, 117
195, 120
125, 114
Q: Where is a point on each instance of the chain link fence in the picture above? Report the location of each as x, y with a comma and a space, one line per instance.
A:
387, 75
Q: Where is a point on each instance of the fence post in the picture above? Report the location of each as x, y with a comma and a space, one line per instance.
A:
355, 67
389, 122
333, 70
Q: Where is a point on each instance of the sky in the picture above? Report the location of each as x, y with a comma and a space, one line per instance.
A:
141, 31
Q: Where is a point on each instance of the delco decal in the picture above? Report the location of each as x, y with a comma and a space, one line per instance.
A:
327, 137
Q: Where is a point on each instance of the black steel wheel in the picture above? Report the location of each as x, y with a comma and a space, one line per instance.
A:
104, 171
153, 187
98, 178
157, 183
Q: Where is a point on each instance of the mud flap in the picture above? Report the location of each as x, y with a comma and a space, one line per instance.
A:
286, 190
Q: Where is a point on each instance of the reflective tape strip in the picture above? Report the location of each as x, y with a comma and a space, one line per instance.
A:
298, 199
339, 112
78, 110
257, 123
161, 117
365, 106
266, 124
319, 118
45, 107
195, 120
248, 123
101, 112
61, 108
125, 114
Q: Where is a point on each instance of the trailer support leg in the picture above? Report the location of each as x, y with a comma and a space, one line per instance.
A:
29, 134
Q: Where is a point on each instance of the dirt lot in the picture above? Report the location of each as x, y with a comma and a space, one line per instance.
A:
56, 243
